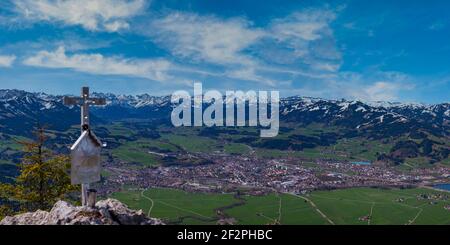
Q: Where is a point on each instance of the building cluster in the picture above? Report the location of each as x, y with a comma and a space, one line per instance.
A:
228, 172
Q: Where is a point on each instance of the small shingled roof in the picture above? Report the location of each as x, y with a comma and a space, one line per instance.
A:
92, 137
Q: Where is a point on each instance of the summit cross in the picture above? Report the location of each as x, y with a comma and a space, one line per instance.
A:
84, 101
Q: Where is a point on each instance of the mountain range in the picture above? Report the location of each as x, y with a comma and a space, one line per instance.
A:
418, 129
20, 110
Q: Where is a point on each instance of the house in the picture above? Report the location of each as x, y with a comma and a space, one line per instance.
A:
86, 162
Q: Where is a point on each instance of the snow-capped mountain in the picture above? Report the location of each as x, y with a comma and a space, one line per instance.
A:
20, 110
382, 119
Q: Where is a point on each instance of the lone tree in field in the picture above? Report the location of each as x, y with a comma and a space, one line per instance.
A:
43, 178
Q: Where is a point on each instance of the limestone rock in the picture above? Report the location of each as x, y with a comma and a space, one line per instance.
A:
106, 212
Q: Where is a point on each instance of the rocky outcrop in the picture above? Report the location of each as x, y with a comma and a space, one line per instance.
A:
106, 212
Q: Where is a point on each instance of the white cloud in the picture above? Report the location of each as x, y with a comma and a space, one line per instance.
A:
206, 38
98, 64
94, 15
374, 86
306, 25
300, 43
7, 60
381, 91
306, 40
437, 26
225, 41
249, 74
325, 66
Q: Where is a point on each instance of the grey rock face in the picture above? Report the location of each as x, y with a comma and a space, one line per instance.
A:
106, 212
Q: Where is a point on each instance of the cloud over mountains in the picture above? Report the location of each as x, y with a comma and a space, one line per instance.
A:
7, 60
98, 15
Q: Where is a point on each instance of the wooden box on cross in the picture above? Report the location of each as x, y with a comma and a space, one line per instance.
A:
86, 163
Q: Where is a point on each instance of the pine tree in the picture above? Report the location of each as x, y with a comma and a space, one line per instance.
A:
6, 192
43, 178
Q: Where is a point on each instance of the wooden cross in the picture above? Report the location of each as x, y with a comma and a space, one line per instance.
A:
84, 101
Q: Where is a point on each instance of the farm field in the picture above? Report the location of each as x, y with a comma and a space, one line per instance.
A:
175, 206
133, 153
358, 206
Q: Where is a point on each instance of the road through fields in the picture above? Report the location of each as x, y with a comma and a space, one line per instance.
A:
315, 207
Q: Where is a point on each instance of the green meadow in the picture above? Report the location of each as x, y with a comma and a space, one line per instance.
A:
340, 207
229, 141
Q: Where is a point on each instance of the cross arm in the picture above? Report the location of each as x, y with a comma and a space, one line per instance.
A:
97, 101
80, 101
73, 101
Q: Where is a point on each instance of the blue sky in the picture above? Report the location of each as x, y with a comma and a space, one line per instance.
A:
366, 50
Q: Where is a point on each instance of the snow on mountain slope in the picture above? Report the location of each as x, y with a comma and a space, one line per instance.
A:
23, 109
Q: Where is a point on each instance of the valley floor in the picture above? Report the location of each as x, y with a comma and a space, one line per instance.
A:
355, 206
